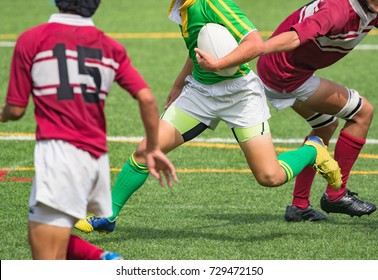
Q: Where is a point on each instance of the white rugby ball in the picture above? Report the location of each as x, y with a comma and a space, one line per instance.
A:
216, 40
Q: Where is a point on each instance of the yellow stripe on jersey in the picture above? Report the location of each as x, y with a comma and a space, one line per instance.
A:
171, 7
229, 24
183, 13
186, 4
184, 16
234, 15
242, 72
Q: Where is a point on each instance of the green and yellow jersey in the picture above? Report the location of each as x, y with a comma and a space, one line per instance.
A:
192, 15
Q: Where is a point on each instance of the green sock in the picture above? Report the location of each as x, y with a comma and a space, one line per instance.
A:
132, 177
293, 162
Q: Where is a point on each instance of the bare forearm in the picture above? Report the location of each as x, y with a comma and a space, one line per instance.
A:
251, 47
150, 117
11, 113
185, 71
283, 42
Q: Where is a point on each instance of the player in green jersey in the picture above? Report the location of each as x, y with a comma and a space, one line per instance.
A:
199, 100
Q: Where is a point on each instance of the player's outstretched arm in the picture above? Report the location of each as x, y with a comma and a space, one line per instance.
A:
157, 162
283, 42
11, 112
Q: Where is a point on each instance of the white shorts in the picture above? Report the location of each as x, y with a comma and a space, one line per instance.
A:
70, 181
282, 100
240, 103
44, 214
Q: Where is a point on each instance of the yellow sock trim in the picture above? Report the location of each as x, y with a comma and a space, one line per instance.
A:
289, 172
142, 167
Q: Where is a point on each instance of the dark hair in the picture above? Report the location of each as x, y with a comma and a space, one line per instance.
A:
365, 6
85, 8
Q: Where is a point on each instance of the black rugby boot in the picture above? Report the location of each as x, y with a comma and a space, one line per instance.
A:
294, 214
349, 204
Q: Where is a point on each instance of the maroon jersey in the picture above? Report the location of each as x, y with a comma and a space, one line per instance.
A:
328, 30
69, 66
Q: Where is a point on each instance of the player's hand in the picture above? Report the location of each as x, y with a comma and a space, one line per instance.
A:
10, 112
161, 167
175, 92
1, 113
206, 61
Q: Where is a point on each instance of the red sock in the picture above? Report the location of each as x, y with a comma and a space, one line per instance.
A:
347, 150
79, 249
302, 187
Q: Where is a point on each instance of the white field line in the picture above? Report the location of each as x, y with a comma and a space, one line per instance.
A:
7, 44
364, 47
136, 139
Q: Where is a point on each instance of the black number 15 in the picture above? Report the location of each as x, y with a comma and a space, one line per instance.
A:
65, 91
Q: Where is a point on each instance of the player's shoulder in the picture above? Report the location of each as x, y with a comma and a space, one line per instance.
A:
113, 49
112, 44
338, 10
29, 37
112, 41
341, 6
33, 31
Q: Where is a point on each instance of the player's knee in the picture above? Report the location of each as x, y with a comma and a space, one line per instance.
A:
356, 108
368, 110
269, 179
365, 115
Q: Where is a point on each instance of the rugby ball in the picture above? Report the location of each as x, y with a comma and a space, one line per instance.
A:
216, 40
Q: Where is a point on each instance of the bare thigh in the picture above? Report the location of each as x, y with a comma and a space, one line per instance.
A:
48, 242
330, 98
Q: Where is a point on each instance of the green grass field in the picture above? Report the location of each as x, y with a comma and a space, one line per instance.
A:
218, 211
